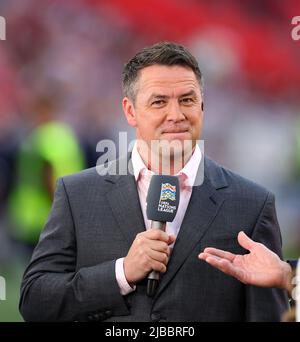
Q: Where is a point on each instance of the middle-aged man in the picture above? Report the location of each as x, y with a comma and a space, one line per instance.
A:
96, 249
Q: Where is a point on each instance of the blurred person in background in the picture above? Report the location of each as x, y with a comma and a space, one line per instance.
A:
50, 151
8, 152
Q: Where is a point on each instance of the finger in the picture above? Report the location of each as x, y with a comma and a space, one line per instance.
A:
158, 266
158, 256
245, 241
202, 256
226, 266
159, 246
172, 239
220, 253
156, 234
205, 255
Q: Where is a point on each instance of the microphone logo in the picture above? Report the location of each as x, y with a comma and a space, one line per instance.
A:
168, 191
167, 195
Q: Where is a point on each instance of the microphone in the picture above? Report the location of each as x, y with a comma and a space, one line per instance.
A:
162, 205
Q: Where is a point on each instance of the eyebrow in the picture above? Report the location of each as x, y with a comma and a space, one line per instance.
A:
164, 97
190, 93
158, 96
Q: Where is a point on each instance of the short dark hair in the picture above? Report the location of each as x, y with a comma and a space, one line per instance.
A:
162, 53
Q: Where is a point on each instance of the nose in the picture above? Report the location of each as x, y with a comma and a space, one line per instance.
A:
175, 112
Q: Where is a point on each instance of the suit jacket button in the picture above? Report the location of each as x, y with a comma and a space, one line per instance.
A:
97, 317
155, 317
108, 313
101, 316
90, 318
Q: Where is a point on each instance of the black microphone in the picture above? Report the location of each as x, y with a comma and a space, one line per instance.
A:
162, 205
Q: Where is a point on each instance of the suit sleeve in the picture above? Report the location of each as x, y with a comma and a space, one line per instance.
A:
52, 289
266, 304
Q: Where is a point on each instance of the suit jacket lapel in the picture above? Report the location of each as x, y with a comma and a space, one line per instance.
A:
204, 205
125, 205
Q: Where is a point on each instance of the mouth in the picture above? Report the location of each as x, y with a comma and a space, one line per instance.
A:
175, 132
174, 129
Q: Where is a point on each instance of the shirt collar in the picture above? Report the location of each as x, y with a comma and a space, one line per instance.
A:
190, 169
137, 162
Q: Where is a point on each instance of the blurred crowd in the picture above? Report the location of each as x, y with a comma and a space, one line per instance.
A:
60, 93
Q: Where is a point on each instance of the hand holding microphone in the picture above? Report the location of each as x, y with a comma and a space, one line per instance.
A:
150, 250
162, 205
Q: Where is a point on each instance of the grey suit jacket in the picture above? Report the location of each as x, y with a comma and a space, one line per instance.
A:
94, 220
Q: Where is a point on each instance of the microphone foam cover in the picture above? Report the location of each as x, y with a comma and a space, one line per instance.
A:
163, 198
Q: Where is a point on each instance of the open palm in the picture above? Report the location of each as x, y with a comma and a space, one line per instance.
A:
261, 267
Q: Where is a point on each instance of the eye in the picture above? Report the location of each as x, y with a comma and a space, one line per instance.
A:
187, 100
158, 103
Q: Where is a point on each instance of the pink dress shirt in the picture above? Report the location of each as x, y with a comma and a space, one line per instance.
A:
142, 176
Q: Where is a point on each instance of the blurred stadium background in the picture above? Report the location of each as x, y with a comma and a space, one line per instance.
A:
60, 93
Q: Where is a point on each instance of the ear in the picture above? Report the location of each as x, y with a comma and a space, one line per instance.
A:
129, 111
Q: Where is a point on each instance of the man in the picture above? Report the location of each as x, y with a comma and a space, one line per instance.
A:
96, 250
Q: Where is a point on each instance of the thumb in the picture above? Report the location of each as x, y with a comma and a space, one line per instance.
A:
245, 241
172, 238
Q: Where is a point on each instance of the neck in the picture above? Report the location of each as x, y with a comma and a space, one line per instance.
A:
162, 164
